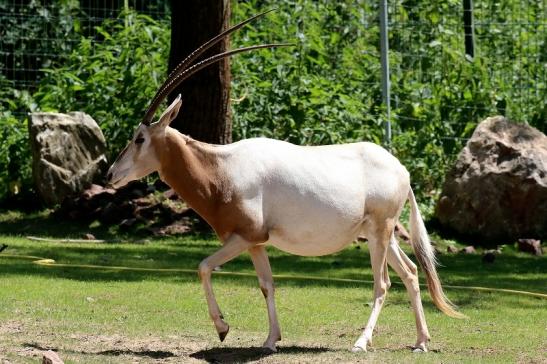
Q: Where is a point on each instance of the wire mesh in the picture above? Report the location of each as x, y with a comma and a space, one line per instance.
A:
433, 80
40, 34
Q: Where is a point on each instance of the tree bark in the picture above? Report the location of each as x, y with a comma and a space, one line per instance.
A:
205, 112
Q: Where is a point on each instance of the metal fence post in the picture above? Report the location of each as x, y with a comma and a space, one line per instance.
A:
469, 28
384, 57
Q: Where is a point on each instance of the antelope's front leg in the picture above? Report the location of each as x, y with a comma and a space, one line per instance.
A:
265, 280
233, 246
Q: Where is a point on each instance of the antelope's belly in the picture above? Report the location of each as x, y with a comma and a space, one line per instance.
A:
315, 241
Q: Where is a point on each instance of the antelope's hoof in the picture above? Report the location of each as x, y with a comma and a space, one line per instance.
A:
361, 344
269, 348
269, 345
420, 348
222, 334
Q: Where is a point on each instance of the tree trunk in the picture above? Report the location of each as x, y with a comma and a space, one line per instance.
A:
205, 111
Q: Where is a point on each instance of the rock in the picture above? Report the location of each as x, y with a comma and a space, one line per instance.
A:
51, 357
113, 213
149, 212
127, 208
67, 154
159, 185
96, 190
488, 257
468, 250
170, 194
530, 246
133, 190
497, 190
127, 223
451, 249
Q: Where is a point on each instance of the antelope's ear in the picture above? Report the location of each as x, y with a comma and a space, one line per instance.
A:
171, 113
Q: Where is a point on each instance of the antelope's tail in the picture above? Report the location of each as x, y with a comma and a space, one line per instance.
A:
426, 258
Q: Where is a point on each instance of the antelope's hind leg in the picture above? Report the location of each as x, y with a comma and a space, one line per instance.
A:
378, 244
265, 280
407, 271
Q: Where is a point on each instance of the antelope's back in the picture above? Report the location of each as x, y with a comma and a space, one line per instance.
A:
311, 195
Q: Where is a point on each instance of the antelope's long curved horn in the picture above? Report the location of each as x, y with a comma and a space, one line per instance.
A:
188, 72
211, 42
156, 101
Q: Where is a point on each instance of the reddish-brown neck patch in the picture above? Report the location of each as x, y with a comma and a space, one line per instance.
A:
191, 172
191, 168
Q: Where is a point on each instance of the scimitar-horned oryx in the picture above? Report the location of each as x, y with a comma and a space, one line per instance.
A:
304, 200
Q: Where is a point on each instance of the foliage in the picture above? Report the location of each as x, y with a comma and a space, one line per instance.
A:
14, 149
37, 34
324, 89
114, 79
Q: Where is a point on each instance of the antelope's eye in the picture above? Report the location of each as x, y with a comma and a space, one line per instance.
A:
139, 140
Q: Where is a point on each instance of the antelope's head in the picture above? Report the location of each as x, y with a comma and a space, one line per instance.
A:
141, 156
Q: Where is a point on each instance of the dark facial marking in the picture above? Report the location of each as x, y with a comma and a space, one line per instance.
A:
139, 139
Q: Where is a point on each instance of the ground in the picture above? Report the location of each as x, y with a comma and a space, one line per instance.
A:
91, 309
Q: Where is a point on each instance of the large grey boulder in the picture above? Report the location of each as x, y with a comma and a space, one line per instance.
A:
497, 190
67, 154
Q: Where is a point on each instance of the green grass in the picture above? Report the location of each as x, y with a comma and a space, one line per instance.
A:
119, 316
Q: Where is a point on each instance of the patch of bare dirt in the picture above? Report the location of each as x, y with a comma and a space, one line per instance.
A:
11, 327
97, 348
173, 349
86, 348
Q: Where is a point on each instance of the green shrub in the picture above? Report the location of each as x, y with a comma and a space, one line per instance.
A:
112, 80
325, 89
15, 159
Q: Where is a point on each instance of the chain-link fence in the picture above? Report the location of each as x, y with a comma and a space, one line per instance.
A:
457, 62
40, 34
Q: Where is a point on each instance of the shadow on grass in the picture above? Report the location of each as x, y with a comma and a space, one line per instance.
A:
154, 354
46, 224
243, 355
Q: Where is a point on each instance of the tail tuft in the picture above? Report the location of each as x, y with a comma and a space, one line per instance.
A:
426, 258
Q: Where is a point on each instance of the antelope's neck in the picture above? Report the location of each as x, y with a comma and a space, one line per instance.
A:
191, 169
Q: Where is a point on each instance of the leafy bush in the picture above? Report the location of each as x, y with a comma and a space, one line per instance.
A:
15, 159
14, 150
112, 80
323, 90
37, 34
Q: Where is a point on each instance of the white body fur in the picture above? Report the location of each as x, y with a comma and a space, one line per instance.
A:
313, 200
